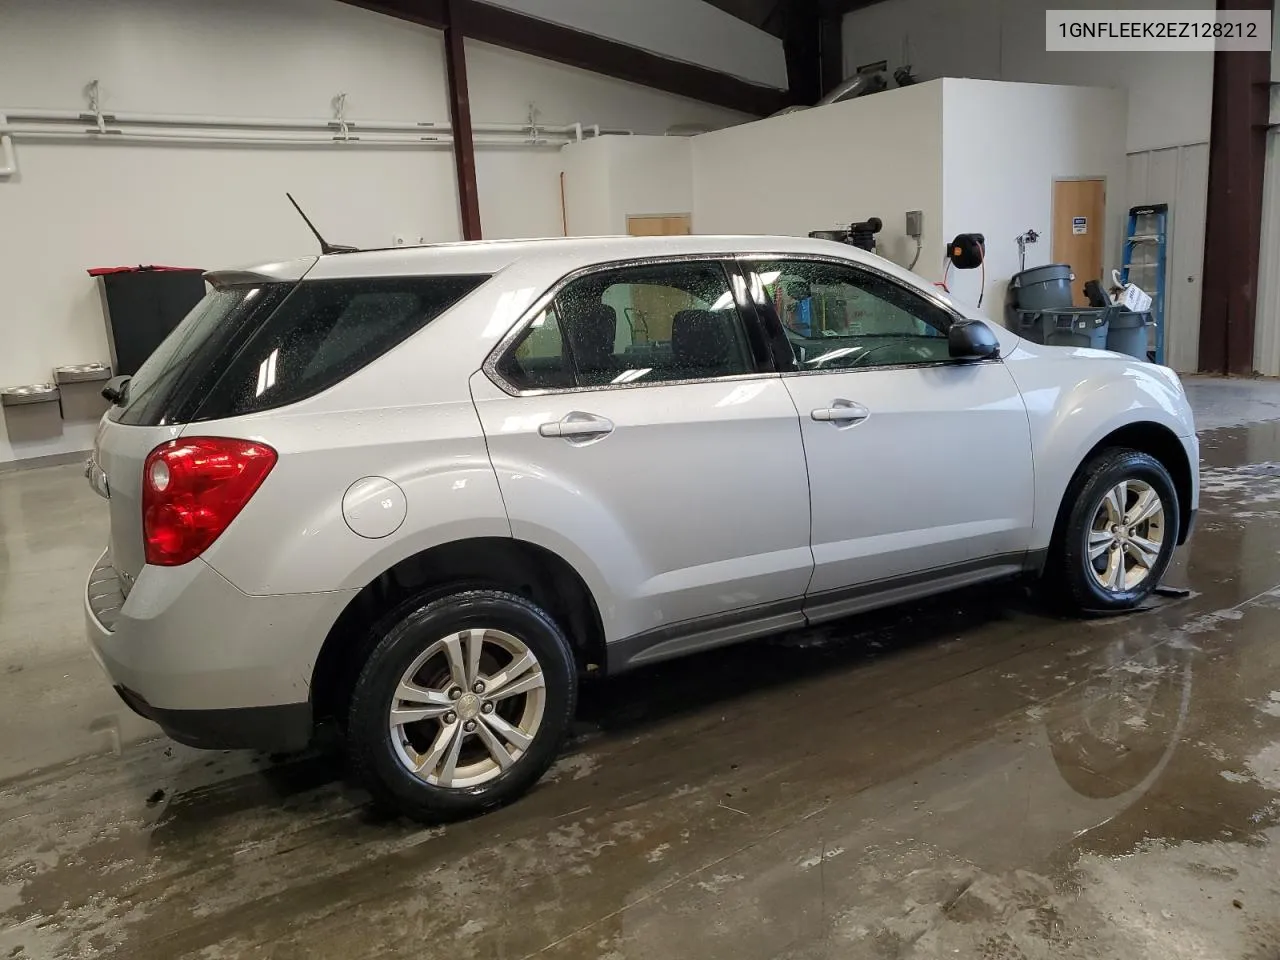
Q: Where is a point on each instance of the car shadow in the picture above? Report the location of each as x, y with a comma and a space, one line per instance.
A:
663, 691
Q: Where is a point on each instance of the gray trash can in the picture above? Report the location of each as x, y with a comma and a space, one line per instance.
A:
1042, 288
1070, 327
1127, 333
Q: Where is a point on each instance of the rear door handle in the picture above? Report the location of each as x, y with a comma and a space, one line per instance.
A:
841, 413
578, 426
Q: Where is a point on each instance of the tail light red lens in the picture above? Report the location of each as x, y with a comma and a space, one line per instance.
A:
191, 491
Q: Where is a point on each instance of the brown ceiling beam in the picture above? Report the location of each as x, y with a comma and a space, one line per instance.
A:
835, 8
551, 41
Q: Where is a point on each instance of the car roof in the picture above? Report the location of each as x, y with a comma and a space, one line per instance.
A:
564, 254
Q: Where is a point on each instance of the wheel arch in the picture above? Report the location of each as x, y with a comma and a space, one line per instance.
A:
1145, 436
517, 566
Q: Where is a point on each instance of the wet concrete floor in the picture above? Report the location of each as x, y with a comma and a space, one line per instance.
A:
967, 777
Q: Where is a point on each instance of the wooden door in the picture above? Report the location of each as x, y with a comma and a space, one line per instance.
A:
1079, 231
674, 225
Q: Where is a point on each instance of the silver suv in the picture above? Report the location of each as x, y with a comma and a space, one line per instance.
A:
422, 492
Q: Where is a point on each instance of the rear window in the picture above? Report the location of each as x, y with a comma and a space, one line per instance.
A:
187, 363
316, 334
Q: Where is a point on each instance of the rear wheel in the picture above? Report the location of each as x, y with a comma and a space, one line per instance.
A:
1119, 537
462, 705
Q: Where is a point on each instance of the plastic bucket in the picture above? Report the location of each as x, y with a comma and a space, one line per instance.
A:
1072, 327
1042, 288
1127, 333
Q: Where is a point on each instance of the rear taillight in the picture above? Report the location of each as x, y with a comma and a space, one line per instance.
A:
191, 491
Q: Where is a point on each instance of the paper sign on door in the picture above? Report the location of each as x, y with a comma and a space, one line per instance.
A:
1079, 225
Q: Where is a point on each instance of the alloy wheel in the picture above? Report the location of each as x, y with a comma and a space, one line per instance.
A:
467, 708
1126, 536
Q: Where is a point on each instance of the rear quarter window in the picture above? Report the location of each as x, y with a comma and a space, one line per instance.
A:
325, 331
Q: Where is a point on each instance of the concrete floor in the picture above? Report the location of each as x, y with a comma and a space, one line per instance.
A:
969, 777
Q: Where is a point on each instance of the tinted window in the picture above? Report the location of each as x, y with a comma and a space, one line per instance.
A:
538, 360
188, 362
634, 325
838, 318
325, 331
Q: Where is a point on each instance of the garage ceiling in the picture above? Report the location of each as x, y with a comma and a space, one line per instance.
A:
770, 15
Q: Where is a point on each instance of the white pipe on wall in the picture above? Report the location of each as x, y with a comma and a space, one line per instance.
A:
244, 139
243, 131
266, 123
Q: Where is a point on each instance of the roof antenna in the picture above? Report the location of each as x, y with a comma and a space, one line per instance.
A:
325, 246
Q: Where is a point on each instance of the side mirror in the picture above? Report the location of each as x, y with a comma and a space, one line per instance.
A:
972, 340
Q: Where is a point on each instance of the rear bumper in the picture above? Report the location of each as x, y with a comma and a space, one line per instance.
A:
211, 665
277, 729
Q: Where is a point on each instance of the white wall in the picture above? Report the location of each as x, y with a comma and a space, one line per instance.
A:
1170, 94
588, 202
612, 178
76, 206
1004, 145
826, 167
688, 30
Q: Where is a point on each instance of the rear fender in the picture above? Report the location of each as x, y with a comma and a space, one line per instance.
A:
293, 537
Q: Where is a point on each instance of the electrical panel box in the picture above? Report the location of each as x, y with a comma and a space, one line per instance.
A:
915, 224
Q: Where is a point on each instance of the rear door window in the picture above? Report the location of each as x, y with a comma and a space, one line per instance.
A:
324, 332
635, 325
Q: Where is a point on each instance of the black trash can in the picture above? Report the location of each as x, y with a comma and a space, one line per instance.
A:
141, 306
1070, 327
1127, 333
1042, 288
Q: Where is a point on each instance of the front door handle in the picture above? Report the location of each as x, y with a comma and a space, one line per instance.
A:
577, 426
841, 413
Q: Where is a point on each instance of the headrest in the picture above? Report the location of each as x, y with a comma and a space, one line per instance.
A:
700, 338
593, 328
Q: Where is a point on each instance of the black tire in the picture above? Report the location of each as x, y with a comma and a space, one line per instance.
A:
1070, 570
406, 635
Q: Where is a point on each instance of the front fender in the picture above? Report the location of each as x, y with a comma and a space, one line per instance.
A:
1074, 400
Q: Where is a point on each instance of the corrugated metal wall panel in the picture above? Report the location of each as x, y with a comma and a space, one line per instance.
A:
1178, 176
1186, 258
1266, 340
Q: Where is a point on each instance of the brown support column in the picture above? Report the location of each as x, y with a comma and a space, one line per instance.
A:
1233, 227
464, 146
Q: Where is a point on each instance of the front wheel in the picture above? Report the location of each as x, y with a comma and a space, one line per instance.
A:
462, 705
1119, 537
